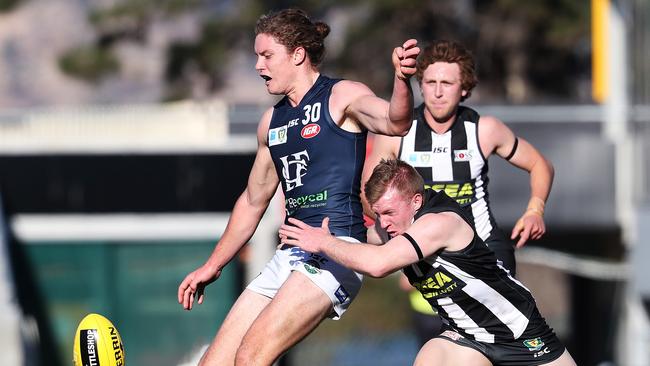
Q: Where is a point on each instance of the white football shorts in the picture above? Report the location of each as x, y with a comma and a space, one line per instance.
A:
339, 283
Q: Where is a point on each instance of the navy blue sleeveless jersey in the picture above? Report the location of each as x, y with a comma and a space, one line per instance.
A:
319, 164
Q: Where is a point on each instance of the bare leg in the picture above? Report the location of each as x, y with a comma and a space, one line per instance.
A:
564, 360
295, 311
440, 352
223, 348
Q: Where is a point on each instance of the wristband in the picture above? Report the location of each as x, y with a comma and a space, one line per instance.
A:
536, 205
535, 211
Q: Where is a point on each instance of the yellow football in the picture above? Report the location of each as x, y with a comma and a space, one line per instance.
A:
97, 343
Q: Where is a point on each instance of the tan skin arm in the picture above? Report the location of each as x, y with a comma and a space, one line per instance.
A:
496, 137
355, 107
246, 215
432, 232
383, 147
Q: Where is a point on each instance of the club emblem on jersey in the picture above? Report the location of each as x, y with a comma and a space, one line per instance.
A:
312, 266
277, 135
310, 131
294, 167
420, 158
311, 269
462, 155
534, 344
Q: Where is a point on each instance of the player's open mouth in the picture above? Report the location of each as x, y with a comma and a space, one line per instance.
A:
266, 78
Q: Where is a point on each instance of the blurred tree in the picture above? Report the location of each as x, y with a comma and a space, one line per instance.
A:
204, 59
89, 63
130, 19
377, 27
126, 20
207, 58
533, 49
536, 50
523, 49
9, 5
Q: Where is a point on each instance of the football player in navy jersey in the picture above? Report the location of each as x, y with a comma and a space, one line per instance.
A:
312, 144
489, 317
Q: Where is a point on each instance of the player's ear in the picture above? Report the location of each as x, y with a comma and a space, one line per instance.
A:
299, 56
463, 93
416, 201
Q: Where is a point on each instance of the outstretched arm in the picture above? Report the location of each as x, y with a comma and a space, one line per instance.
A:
432, 232
375, 114
400, 112
372, 260
246, 215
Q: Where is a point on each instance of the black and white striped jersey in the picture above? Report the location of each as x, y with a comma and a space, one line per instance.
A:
471, 292
454, 163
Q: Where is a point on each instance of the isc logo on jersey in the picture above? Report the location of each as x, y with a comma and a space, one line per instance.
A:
97, 343
310, 131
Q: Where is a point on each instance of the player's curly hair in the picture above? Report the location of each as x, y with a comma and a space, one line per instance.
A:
451, 52
393, 173
293, 28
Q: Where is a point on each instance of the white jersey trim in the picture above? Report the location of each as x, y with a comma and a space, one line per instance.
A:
498, 305
463, 321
